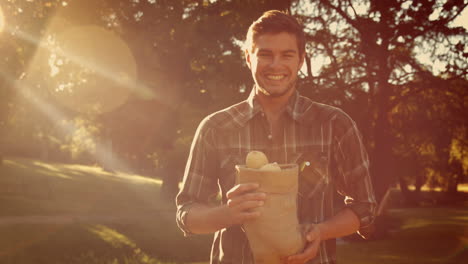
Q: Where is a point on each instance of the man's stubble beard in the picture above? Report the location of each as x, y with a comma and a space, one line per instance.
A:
290, 87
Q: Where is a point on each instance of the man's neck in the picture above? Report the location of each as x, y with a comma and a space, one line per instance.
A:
274, 107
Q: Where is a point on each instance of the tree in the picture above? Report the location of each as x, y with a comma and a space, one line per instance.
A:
17, 50
371, 50
189, 63
429, 126
185, 62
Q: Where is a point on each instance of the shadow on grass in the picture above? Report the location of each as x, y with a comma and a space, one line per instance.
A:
63, 213
34, 187
414, 235
146, 241
93, 243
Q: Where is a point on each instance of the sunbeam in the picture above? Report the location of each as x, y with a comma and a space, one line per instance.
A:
102, 154
2, 20
101, 68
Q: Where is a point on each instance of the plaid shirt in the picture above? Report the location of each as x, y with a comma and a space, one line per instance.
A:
322, 139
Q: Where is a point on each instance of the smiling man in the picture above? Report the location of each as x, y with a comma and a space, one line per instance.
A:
289, 128
274, 62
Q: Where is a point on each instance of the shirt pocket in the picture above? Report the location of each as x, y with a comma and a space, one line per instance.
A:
313, 173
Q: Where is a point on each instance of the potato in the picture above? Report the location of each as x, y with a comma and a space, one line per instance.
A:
256, 159
271, 167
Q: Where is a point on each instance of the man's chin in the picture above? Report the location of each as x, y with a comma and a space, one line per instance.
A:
278, 92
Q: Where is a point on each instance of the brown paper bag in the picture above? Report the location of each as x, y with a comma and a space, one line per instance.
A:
276, 233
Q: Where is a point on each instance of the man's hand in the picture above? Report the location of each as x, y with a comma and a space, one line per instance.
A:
313, 238
345, 222
242, 202
243, 199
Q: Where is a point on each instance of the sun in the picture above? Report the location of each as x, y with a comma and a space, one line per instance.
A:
2, 20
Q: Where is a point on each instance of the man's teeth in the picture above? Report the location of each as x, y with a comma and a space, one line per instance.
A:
275, 77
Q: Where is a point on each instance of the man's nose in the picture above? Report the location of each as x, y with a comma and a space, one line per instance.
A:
275, 61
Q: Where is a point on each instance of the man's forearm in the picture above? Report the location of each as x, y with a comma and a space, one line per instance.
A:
344, 223
204, 219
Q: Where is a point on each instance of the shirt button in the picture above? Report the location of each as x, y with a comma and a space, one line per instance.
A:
270, 136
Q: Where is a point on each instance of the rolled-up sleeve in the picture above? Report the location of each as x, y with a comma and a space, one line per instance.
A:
200, 183
353, 179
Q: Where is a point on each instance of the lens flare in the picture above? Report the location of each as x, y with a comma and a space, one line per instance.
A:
90, 69
2, 20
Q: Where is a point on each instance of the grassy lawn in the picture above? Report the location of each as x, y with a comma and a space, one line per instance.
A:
31, 187
58, 213
424, 235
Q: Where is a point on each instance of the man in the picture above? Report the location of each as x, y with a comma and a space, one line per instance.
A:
289, 128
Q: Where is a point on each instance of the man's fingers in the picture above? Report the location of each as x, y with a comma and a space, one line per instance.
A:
242, 202
309, 253
313, 234
245, 205
240, 189
256, 196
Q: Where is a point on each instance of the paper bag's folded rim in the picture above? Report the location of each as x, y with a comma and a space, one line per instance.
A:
283, 181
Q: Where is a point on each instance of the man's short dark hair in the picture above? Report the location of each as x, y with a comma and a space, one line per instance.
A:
273, 22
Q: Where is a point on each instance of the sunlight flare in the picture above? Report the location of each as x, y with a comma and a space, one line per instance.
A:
98, 59
88, 69
102, 154
2, 20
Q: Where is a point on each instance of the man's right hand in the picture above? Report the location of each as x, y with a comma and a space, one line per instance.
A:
243, 200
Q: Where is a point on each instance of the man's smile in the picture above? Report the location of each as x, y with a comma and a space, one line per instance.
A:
275, 77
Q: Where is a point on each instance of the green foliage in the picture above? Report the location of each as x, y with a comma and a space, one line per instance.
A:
81, 142
429, 125
377, 55
376, 66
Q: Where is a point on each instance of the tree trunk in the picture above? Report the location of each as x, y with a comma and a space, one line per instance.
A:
309, 67
455, 179
382, 164
410, 197
382, 173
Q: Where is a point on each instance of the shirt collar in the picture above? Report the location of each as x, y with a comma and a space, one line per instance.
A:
255, 108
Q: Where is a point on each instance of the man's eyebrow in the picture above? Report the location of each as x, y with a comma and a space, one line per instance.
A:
284, 51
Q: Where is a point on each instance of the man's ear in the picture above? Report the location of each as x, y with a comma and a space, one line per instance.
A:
247, 58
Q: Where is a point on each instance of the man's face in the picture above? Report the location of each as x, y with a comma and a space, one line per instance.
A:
274, 63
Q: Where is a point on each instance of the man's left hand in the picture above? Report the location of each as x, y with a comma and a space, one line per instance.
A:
313, 238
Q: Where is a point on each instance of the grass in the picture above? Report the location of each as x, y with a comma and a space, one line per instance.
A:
423, 235
59, 213
34, 187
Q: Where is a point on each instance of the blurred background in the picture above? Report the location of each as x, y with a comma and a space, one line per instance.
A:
99, 101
